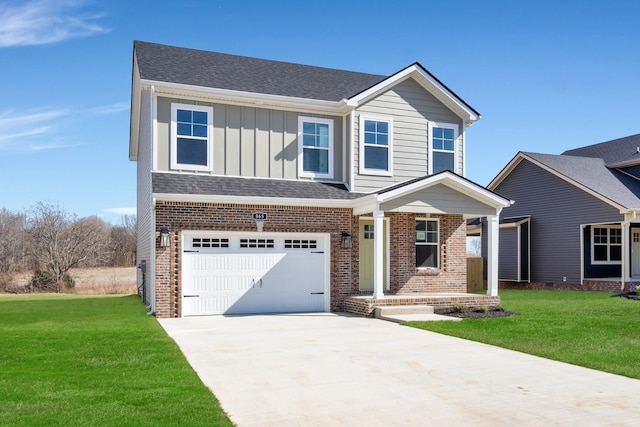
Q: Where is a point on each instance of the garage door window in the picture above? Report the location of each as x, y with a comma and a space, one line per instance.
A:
300, 244
205, 242
257, 243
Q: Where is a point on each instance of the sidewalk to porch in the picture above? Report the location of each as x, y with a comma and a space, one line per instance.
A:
364, 304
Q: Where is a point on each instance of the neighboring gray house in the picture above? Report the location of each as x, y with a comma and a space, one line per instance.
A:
266, 186
575, 222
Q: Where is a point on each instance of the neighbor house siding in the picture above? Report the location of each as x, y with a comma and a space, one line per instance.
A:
249, 141
411, 108
557, 210
508, 254
144, 203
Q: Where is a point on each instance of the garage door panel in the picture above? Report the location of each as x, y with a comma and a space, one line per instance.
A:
288, 276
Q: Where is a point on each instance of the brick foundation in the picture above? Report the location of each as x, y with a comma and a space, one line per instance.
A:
404, 277
364, 305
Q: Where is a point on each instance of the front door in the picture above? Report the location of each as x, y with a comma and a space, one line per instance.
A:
635, 253
367, 233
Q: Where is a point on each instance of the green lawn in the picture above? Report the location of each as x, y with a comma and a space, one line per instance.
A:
592, 329
94, 361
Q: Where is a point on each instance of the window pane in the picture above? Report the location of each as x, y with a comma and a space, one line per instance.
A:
375, 158
322, 141
599, 253
437, 133
316, 160
184, 116
184, 129
615, 253
421, 225
448, 133
309, 140
323, 129
192, 151
369, 126
369, 138
383, 139
442, 162
200, 117
448, 145
426, 256
200, 130
382, 127
615, 235
309, 128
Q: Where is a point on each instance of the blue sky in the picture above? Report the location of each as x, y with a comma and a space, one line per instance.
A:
545, 75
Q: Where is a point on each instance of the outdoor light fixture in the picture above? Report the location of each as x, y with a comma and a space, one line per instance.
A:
346, 240
164, 237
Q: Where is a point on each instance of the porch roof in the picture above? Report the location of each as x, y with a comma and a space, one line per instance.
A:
442, 193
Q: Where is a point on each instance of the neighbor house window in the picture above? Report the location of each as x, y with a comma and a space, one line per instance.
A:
606, 245
427, 243
191, 137
443, 139
315, 146
376, 135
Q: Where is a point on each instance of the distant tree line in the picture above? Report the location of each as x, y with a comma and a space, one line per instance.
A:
48, 241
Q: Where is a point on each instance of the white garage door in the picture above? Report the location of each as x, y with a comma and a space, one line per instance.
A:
254, 273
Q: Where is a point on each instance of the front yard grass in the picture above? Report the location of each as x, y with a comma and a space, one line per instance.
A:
70, 360
592, 329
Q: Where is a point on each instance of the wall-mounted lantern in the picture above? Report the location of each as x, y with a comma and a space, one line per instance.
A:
165, 241
346, 240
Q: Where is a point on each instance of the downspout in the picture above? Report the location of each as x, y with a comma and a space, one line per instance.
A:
625, 242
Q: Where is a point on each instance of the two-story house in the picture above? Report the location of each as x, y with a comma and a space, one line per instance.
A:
266, 186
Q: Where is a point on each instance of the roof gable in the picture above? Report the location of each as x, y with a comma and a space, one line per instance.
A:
589, 174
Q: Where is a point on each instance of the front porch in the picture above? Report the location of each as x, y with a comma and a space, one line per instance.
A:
364, 304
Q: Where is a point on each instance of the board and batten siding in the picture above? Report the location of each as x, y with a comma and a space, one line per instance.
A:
249, 141
508, 254
557, 210
144, 202
411, 108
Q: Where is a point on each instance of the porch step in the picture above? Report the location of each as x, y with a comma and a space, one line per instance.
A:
386, 310
408, 313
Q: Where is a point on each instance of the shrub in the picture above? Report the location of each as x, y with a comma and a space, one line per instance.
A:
68, 281
457, 308
481, 309
43, 281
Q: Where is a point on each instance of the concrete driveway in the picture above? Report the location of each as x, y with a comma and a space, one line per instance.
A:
338, 370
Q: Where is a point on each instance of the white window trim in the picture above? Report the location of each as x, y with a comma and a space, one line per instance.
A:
375, 172
174, 137
301, 171
437, 244
456, 134
608, 227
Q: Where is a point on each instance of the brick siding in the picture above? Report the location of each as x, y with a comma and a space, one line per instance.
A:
404, 277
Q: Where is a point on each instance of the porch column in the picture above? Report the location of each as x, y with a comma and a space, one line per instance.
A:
625, 273
493, 230
378, 255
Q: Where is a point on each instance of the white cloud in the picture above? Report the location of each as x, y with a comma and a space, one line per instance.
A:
45, 21
19, 130
122, 211
113, 108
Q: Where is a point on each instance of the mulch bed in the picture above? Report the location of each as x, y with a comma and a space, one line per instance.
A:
475, 313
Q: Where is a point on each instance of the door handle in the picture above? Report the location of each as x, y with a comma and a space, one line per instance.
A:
317, 293
190, 296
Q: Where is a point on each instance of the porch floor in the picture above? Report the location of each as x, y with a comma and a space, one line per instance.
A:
364, 304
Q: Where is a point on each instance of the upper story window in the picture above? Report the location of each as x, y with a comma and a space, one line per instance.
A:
427, 243
315, 147
606, 245
376, 137
443, 147
191, 137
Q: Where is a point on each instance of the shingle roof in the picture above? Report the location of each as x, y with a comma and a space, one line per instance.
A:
593, 174
614, 152
223, 71
173, 183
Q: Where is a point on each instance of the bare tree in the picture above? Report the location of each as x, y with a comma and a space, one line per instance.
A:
11, 241
59, 241
124, 242
474, 246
